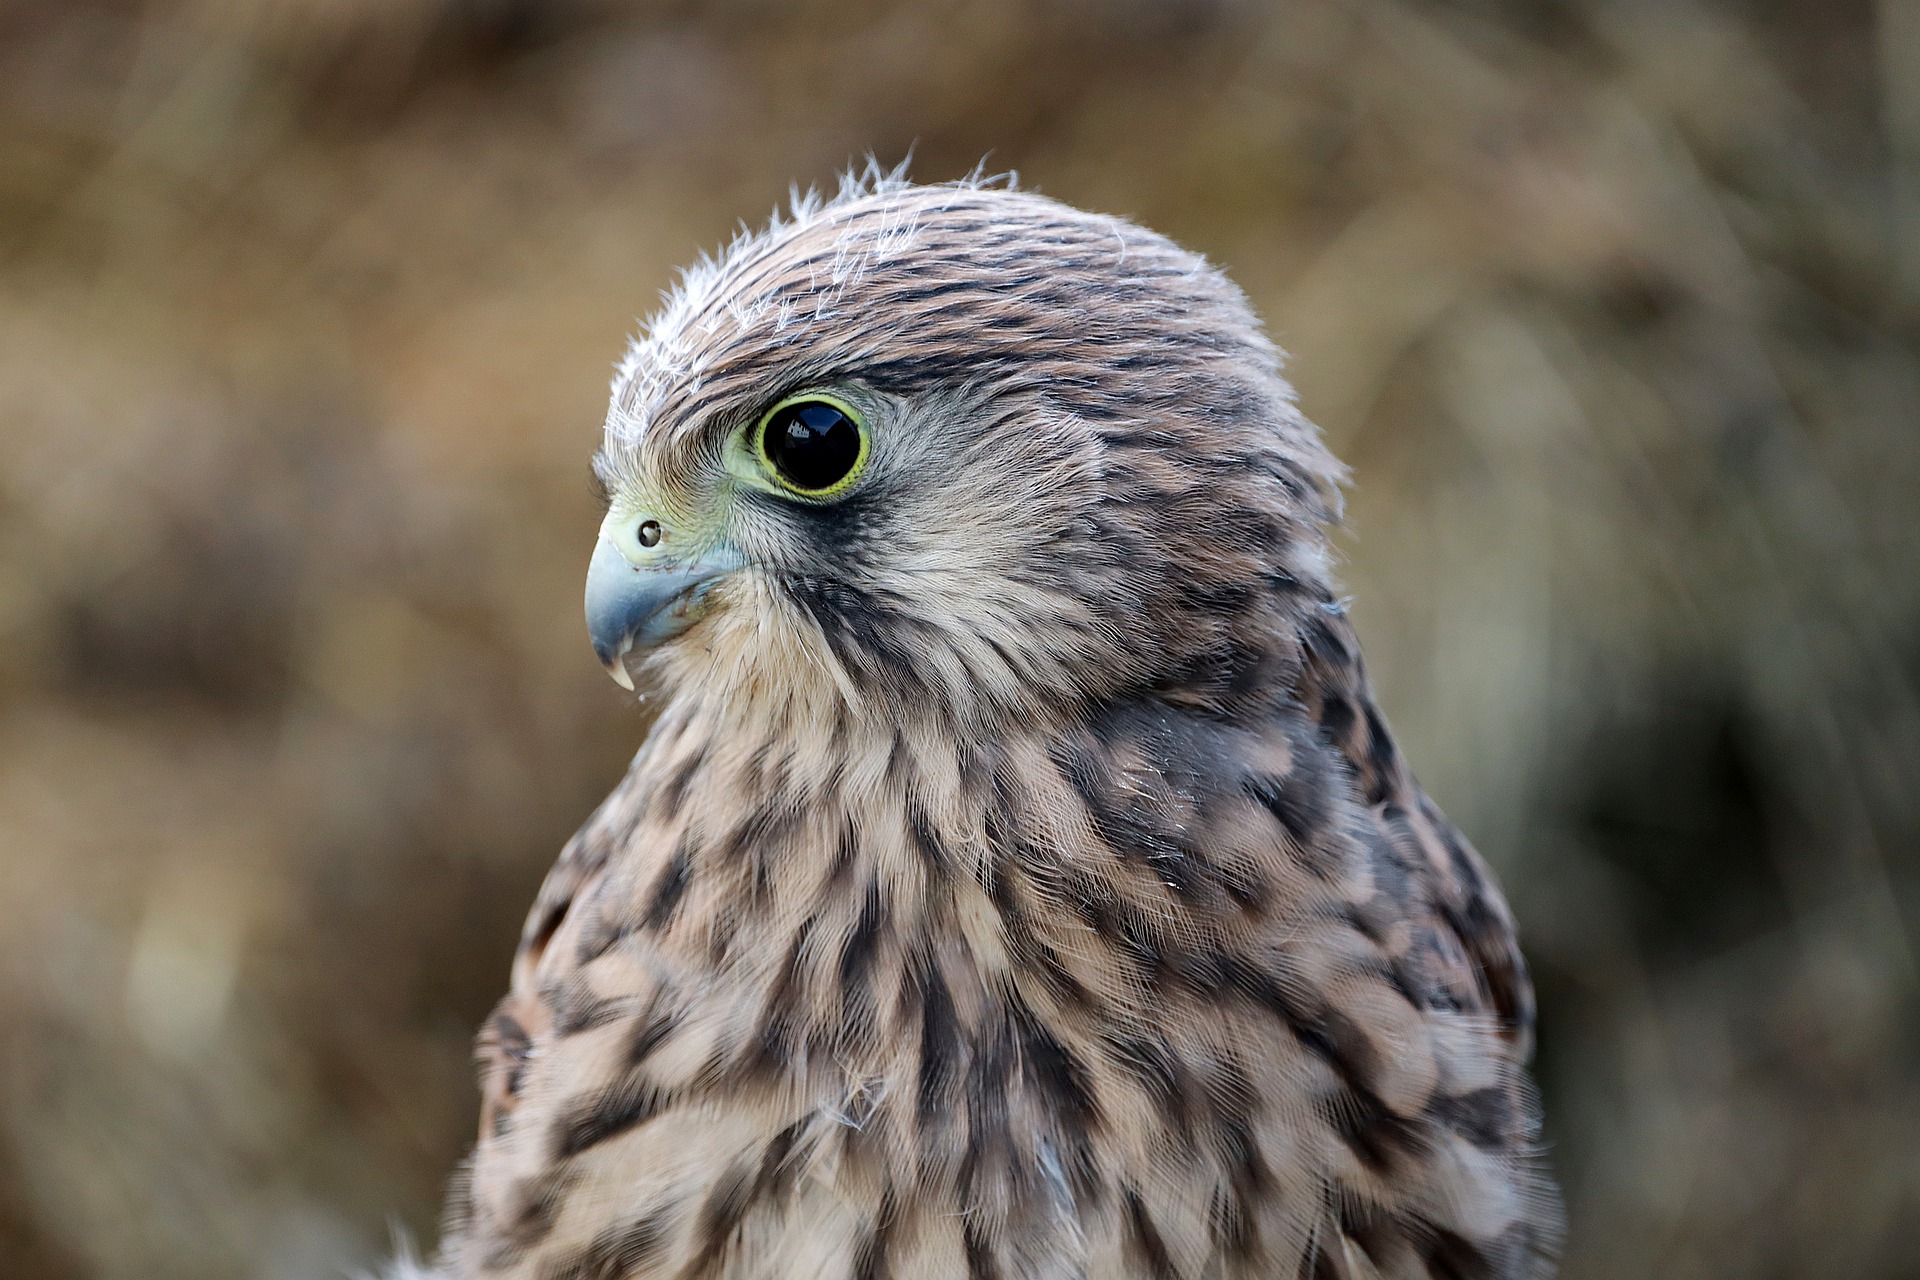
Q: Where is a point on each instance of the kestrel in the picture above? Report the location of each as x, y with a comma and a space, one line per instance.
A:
1019, 881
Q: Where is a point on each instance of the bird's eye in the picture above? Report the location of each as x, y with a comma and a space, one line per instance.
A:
815, 445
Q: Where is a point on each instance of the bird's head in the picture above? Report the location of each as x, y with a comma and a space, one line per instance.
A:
958, 448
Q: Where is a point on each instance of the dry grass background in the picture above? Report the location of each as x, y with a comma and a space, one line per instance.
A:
306, 313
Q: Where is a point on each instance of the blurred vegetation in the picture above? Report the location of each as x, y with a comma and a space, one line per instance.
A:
307, 309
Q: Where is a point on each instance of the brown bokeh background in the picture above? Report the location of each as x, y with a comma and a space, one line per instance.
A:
307, 309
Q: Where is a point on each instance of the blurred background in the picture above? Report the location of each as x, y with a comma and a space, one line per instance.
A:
307, 310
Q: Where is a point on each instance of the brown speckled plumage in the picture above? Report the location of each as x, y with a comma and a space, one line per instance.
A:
1020, 881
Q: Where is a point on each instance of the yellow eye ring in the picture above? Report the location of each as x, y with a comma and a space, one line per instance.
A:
813, 445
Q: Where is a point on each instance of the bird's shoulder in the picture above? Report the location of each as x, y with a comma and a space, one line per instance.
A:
1456, 932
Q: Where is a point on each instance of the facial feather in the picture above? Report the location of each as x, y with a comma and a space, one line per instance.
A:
1084, 461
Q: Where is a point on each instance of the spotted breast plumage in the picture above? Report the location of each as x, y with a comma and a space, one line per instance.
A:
1019, 881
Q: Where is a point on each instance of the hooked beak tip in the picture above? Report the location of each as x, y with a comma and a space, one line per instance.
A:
632, 608
614, 659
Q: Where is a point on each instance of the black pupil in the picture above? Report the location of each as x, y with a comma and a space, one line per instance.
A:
813, 444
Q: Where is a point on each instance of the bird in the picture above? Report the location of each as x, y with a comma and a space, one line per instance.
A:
1019, 880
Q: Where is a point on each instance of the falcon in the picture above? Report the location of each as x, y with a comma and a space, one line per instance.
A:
1019, 880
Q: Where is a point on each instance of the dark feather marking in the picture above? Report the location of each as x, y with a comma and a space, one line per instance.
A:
1127, 930
1244, 884
1138, 932
1450, 1256
608, 1113
929, 292
926, 840
898, 758
1000, 651
990, 1148
874, 637
758, 835
1336, 715
1130, 827
1416, 986
673, 790
927, 367
1373, 1227
781, 994
611, 823
1324, 1031
719, 1219
1324, 642
1001, 870
542, 925
1054, 1072
845, 850
996, 879
1152, 1063
1284, 584
669, 888
615, 1253
1393, 874
1228, 1224
1483, 1117
1357, 917
651, 1032
1472, 884
599, 931
772, 1048
870, 1259
1081, 770
856, 961
777, 1168
1361, 1119
939, 1036
539, 1200
981, 1264
517, 1045
1054, 974
772, 1053
576, 1007
1474, 917
1371, 1131
1383, 759
1302, 802
1300, 807
1238, 1229
1146, 1239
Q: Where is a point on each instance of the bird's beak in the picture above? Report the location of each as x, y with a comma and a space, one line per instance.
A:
639, 597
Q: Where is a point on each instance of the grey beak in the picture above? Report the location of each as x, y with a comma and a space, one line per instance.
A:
631, 608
